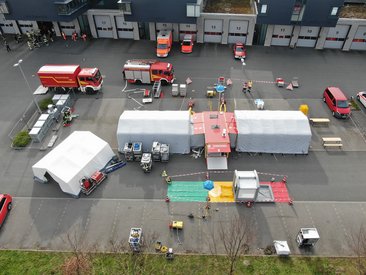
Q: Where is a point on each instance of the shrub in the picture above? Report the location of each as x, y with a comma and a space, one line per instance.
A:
22, 139
43, 104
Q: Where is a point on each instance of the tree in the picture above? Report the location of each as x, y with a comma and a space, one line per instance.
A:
358, 245
235, 237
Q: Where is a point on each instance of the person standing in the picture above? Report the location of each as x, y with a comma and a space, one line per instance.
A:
7, 46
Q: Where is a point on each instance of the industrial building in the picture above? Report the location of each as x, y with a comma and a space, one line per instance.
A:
326, 24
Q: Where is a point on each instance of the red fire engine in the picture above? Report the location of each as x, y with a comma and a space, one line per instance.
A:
71, 76
148, 71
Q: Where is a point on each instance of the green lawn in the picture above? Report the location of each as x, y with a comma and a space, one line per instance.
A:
18, 262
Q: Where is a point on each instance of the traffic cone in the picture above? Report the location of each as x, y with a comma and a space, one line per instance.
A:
164, 174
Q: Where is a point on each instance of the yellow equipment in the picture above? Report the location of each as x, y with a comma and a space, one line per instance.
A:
211, 93
176, 225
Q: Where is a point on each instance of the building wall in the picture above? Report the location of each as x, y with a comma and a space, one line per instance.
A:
38, 10
317, 13
164, 11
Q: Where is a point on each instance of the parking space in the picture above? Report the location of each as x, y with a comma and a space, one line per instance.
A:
45, 218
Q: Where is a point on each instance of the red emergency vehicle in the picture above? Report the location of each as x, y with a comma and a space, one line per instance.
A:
148, 71
71, 76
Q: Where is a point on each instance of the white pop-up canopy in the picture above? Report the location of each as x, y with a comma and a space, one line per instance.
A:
79, 155
169, 127
286, 132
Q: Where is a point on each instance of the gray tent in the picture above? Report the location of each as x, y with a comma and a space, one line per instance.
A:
170, 127
286, 132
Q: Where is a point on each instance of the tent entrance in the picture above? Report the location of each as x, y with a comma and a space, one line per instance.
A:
217, 163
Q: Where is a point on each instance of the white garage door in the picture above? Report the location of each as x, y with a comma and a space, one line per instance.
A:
163, 26
103, 25
281, 35
67, 27
187, 29
25, 26
6, 25
213, 30
238, 31
308, 36
359, 41
336, 37
124, 29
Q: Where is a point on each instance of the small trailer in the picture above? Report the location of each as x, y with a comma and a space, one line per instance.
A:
87, 185
135, 239
146, 162
307, 237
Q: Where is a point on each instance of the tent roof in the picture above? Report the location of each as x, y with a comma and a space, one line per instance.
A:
154, 122
73, 154
272, 122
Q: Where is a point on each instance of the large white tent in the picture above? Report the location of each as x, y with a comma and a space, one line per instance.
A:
286, 132
79, 155
169, 127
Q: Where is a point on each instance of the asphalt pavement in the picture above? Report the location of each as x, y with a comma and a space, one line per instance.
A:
327, 186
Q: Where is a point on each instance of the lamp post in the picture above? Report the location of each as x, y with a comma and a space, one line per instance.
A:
26, 81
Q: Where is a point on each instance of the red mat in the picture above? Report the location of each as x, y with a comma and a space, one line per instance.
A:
279, 190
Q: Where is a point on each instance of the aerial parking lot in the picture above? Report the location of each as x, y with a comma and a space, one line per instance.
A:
325, 186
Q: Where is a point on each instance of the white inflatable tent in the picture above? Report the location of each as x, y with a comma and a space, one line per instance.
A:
80, 154
169, 127
286, 132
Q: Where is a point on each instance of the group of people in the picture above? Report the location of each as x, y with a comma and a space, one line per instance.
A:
247, 86
36, 39
74, 36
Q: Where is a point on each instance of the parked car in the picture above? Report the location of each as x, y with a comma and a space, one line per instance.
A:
361, 96
239, 51
5, 206
187, 44
337, 102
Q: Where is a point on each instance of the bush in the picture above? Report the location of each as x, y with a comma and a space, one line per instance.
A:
22, 139
43, 104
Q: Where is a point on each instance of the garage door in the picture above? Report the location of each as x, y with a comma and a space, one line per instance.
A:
103, 25
163, 26
336, 37
308, 36
359, 41
67, 27
281, 35
238, 31
187, 29
6, 25
213, 31
124, 29
25, 26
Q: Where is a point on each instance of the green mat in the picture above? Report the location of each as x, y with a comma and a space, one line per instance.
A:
187, 191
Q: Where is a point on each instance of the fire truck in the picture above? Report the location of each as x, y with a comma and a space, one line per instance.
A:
148, 71
65, 77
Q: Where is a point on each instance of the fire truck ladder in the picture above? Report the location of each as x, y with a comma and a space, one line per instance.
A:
157, 89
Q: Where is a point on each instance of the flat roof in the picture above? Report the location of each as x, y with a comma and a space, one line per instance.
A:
58, 68
216, 126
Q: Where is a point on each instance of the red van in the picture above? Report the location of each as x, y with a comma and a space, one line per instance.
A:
337, 102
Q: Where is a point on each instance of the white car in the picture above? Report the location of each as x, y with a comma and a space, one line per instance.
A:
361, 96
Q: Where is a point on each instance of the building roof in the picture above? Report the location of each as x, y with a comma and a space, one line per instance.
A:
353, 11
229, 6
216, 126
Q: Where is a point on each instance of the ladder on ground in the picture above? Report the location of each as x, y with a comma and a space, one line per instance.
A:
157, 89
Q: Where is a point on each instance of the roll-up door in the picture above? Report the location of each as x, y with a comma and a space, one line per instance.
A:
103, 25
213, 30
124, 29
281, 35
336, 37
238, 31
